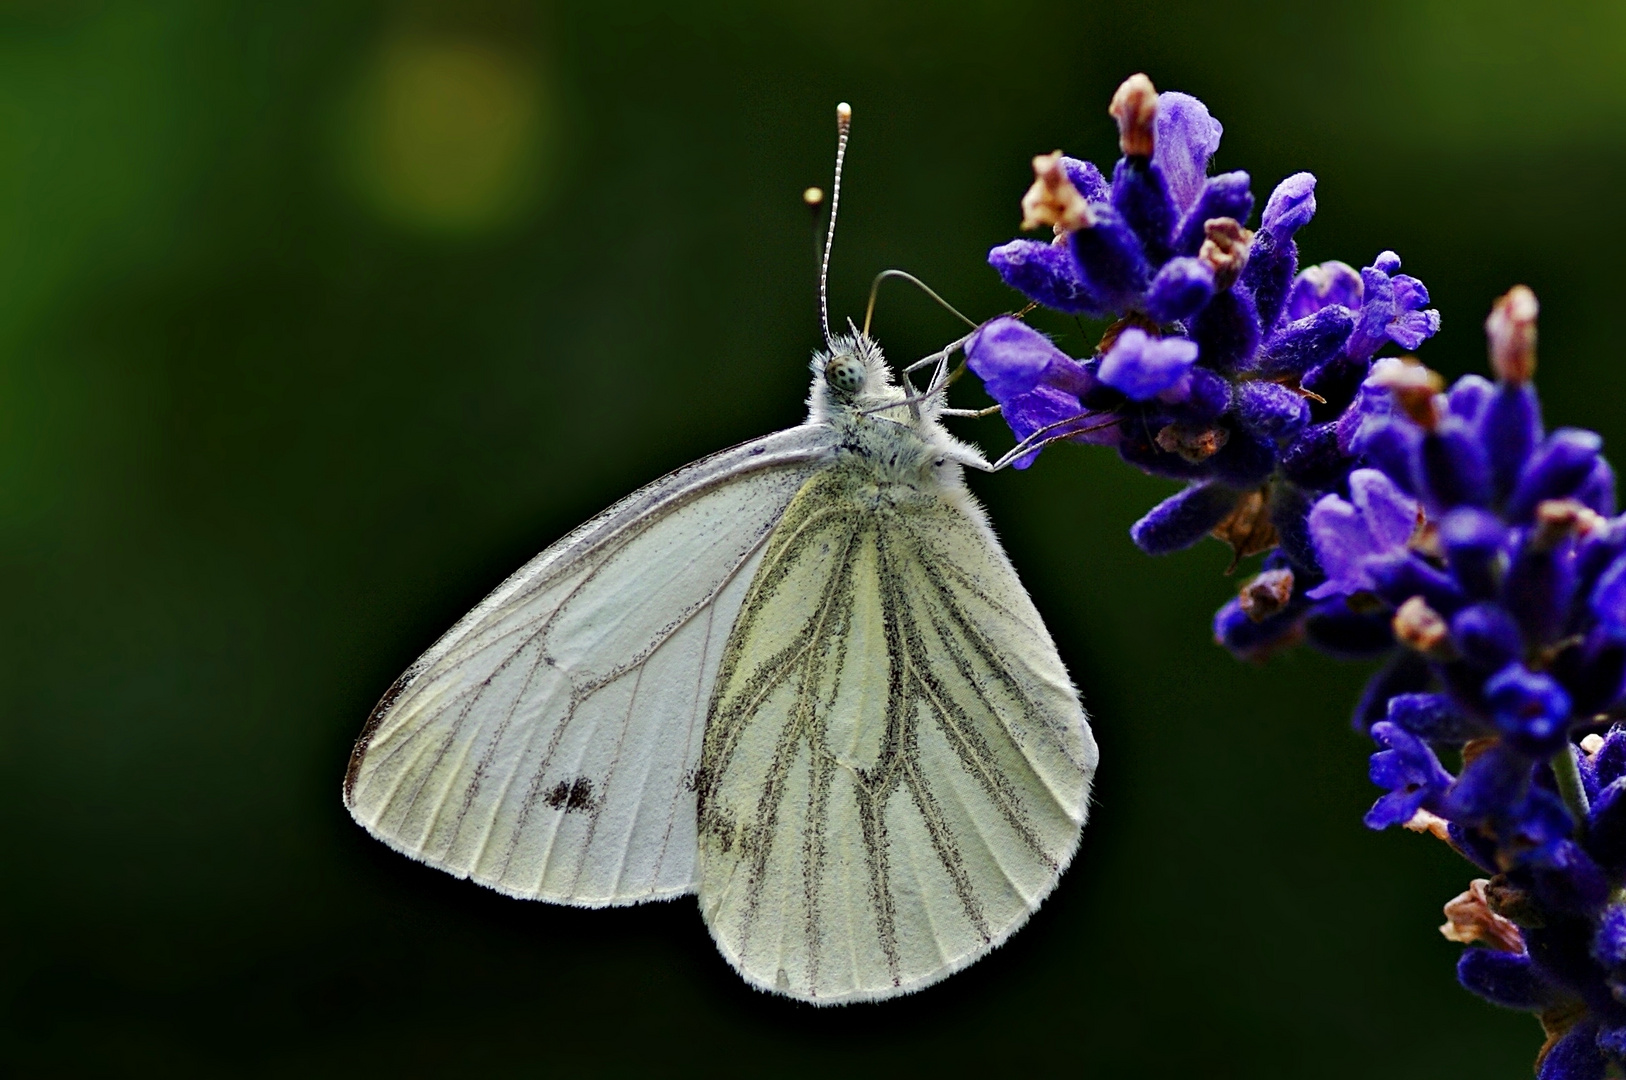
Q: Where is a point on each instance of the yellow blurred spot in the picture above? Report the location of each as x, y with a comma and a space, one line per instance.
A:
449, 135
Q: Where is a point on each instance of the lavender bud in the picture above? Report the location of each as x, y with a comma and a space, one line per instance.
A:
1134, 107
1469, 396
1432, 717
1290, 206
1414, 387
1266, 594
1193, 443
1486, 635
1419, 627
1180, 289
1225, 250
1469, 919
1511, 330
1324, 285
1312, 459
1539, 586
1560, 465
1510, 427
1473, 541
1249, 640
1305, 343
1597, 491
1271, 410
1226, 330
1047, 273
1451, 465
1269, 275
1141, 197
1400, 575
1504, 979
1053, 200
1183, 519
1110, 258
1529, 707
1225, 195
1141, 366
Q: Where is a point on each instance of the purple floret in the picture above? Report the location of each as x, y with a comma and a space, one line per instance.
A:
1291, 206
1187, 136
1409, 770
1351, 538
1141, 367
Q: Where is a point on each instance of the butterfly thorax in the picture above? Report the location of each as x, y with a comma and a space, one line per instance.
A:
898, 459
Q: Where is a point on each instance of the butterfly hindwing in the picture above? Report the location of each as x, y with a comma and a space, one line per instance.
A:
545, 745
896, 766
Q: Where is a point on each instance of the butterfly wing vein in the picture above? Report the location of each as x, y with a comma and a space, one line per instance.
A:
896, 766
545, 745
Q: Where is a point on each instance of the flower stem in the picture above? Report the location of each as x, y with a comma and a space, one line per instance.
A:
1568, 774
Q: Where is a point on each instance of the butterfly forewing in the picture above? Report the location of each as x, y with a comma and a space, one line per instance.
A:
546, 745
896, 766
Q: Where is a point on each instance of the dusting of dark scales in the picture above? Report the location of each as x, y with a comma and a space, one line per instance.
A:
534, 638
911, 688
569, 795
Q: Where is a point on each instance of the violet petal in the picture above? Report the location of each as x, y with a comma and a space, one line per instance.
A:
1184, 137
1290, 207
1046, 273
1222, 196
1179, 290
1307, 342
1183, 519
1010, 357
1327, 283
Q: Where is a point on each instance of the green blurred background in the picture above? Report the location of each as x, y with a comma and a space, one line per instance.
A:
317, 318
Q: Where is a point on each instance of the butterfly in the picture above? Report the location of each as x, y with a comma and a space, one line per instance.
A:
798, 677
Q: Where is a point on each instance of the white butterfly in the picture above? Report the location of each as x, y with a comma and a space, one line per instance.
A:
798, 677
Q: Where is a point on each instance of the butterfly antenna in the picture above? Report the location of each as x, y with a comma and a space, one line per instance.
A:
844, 123
901, 275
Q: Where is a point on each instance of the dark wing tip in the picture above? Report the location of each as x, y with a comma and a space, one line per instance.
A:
365, 739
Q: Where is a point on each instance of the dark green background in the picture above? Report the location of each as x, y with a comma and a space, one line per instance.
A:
318, 318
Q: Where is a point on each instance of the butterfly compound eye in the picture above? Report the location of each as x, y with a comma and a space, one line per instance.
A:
845, 374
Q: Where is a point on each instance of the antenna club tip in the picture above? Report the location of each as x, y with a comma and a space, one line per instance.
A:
844, 113
813, 196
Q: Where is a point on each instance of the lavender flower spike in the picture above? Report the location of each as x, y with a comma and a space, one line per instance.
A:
1504, 597
1224, 364
1446, 532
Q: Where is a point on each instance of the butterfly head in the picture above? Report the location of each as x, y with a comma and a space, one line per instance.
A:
844, 373
852, 373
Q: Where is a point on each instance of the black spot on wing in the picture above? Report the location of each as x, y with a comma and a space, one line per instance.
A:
569, 795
